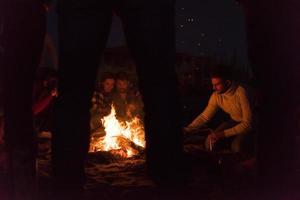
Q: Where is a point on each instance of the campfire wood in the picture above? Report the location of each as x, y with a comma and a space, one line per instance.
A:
120, 153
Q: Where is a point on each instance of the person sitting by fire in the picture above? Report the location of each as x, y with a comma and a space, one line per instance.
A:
45, 91
233, 99
127, 99
102, 99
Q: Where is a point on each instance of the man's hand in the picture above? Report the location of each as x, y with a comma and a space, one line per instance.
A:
219, 135
54, 93
213, 138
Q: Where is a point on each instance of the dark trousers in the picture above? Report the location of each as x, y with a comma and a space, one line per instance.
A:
273, 28
21, 38
243, 144
83, 30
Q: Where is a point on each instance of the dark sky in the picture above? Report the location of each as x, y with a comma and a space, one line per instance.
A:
204, 27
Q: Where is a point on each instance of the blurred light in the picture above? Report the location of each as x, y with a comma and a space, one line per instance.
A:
190, 19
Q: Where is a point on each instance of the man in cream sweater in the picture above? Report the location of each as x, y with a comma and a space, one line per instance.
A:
233, 99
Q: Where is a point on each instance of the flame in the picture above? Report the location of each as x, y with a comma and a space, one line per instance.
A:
120, 135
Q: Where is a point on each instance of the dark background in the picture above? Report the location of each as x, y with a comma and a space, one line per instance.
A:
211, 28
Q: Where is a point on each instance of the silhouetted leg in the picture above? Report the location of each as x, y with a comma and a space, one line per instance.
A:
273, 29
22, 38
83, 30
149, 28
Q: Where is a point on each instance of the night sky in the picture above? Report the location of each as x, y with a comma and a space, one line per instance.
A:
204, 27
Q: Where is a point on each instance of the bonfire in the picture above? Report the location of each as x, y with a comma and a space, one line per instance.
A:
124, 138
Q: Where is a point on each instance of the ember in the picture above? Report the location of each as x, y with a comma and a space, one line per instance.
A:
122, 138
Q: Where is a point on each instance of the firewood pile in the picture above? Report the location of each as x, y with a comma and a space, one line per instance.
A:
115, 154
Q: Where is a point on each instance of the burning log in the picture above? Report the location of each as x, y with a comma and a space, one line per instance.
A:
127, 147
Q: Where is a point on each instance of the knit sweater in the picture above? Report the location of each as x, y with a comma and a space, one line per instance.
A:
235, 102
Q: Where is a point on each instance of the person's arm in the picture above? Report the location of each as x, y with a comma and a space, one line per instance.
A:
205, 116
42, 104
246, 123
